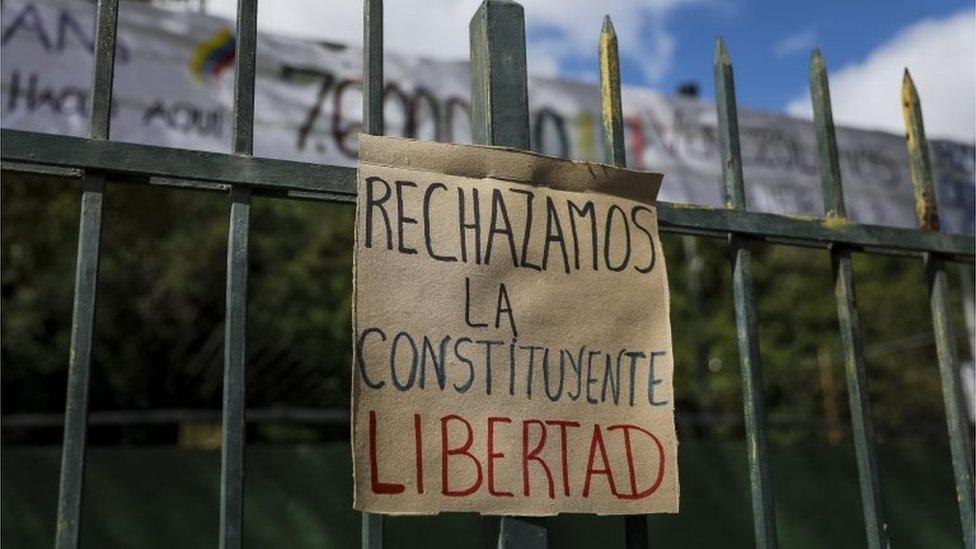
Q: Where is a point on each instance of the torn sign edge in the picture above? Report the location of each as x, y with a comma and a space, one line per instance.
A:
503, 164
507, 164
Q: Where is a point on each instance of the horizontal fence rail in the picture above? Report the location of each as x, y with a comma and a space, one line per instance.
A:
210, 171
156, 417
499, 117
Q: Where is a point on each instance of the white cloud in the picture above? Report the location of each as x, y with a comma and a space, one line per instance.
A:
558, 31
799, 42
572, 28
940, 55
431, 28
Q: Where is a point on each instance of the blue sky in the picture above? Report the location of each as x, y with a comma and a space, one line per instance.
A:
770, 41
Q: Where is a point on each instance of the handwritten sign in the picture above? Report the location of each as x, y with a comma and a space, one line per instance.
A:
512, 335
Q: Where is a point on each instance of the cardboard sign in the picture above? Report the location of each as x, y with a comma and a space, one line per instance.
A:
512, 335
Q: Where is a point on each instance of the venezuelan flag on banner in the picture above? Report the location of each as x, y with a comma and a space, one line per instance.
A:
212, 56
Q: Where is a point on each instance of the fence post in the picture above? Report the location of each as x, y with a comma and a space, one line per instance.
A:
928, 220
499, 92
500, 116
763, 514
235, 327
850, 329
71, 482
614, 152
372, 525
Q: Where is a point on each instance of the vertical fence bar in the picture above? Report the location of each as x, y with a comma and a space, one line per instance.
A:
611, 108
500, 116
71, 483
635, 527
103, 73
245, 55
372, 525
499, 93
373, 123
232, 444
850, 329
928, 220
764, 519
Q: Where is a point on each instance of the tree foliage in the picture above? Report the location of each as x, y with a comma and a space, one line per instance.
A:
159, 327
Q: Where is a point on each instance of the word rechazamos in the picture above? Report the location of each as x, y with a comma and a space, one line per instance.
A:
612, 239
624, 377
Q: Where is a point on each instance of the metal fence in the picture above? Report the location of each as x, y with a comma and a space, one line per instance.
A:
499, 117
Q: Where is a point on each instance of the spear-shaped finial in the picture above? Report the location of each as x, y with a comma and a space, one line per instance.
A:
926, 210
613, 126
823, 119
721, 52
817, 61
728, 127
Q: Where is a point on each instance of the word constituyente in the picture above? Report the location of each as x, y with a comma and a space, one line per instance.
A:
403, 362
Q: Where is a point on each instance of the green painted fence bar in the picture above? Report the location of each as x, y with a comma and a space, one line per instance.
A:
235, 351
850, 330
373, 87
823, 121
928, 220
635, 527
71, 485
373, 92
232, 443
372, 531
610, 106
79, 363
764, 518
500, 116
201, 170
245, 55
499, 91
103, 71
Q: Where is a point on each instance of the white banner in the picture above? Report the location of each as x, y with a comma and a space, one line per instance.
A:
174, 87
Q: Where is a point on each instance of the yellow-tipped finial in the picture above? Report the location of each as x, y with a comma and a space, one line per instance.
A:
926, 210
612, 111
608, 27
910, 107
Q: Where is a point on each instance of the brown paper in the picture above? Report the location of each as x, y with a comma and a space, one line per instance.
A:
512, 341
